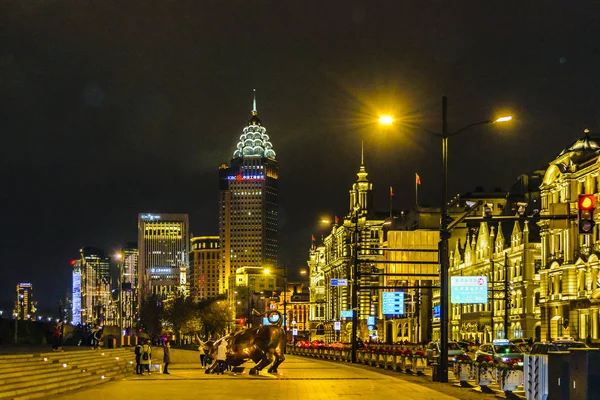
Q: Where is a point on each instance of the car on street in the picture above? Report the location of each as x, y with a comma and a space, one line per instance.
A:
433, 351
501, 351
560, 344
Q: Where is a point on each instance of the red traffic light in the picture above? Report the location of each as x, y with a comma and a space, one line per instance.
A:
587, 202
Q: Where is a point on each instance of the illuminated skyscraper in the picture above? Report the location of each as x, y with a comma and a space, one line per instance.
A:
163, 241
206, 274
248, 212
130, 284
24, 306
93, 270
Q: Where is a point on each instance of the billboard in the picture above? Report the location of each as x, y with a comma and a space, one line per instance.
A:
392, 303
469, 289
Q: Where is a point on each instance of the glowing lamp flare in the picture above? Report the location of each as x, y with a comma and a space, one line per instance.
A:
504, 119
386, 120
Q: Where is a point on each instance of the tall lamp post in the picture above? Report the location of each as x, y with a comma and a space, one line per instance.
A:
444, 231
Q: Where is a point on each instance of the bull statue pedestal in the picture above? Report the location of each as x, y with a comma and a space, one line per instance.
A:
263, 344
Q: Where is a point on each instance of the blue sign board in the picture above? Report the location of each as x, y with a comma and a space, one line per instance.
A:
436, 311
370, 320
392, 303
339, 282
346, 314
468, 289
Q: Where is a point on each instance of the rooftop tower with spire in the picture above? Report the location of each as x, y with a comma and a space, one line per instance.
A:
248, 200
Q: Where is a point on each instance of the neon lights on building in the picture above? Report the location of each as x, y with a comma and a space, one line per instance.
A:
150, 217
76, 303
245, 177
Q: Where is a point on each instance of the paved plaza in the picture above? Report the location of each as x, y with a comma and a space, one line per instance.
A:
299, 378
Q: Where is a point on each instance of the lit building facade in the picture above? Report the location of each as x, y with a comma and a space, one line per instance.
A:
130, 284
248, 202
250, 288
317, 295
163, 242
207, 277
25, 304
570, 265
93, 271
334, 260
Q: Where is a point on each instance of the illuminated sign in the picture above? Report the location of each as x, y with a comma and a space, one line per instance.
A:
294, 332
240, 177
337, 326
370, 320
149, 217
392, 303
339, 282
436, 311
346, 314
468, 289
160, 271
76, 303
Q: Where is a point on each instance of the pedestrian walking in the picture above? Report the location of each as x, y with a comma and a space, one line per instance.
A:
222, 357
96, 337
138, 357
167, 357
146, 357
202, 352
57, 335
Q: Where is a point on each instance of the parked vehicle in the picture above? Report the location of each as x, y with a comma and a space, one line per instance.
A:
560, 344
464, 346
501, 351
433, 351
317, 344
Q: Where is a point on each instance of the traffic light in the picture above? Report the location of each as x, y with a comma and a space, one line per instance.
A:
587, 204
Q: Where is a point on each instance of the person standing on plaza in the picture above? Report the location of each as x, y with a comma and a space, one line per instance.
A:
57, 334
138, 356
167, 356
221, 357
202, 352
146, 357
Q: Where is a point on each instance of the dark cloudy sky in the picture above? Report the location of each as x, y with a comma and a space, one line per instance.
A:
110, 108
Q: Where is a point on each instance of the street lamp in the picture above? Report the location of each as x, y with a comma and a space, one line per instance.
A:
444, 231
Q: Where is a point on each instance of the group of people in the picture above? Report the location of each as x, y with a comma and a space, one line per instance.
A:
222, 364
143, 357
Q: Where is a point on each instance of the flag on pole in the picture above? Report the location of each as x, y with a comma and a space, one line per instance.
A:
417, 179
313, 238
337, 220
391, 191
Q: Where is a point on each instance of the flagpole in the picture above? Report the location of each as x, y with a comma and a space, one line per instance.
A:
416, 190
391, 197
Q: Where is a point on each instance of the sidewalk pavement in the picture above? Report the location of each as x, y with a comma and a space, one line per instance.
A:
299, 378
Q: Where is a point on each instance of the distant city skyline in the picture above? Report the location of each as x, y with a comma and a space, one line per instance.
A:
105, 116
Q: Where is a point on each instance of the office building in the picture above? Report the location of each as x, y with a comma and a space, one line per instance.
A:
163, 241
207, 278
248, 202
25, 305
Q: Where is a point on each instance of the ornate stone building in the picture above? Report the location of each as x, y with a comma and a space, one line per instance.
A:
334, 259
570, 268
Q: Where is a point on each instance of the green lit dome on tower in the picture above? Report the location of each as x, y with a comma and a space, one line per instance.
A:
254, 140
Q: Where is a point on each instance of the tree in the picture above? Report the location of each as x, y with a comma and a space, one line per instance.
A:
216, 317
179, 312
151, 317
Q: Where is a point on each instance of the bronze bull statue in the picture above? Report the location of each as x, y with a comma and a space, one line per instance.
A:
263, 345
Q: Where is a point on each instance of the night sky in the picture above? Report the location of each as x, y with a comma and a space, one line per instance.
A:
111, 108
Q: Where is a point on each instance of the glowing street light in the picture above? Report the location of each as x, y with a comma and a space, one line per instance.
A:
386, 120
503, 119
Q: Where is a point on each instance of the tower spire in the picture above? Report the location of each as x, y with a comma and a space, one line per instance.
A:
362, 152
254, 110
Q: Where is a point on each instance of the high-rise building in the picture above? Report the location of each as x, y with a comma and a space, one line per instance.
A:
129, 284
248, 212
206, 275
92, 272
25, 305
163, 241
